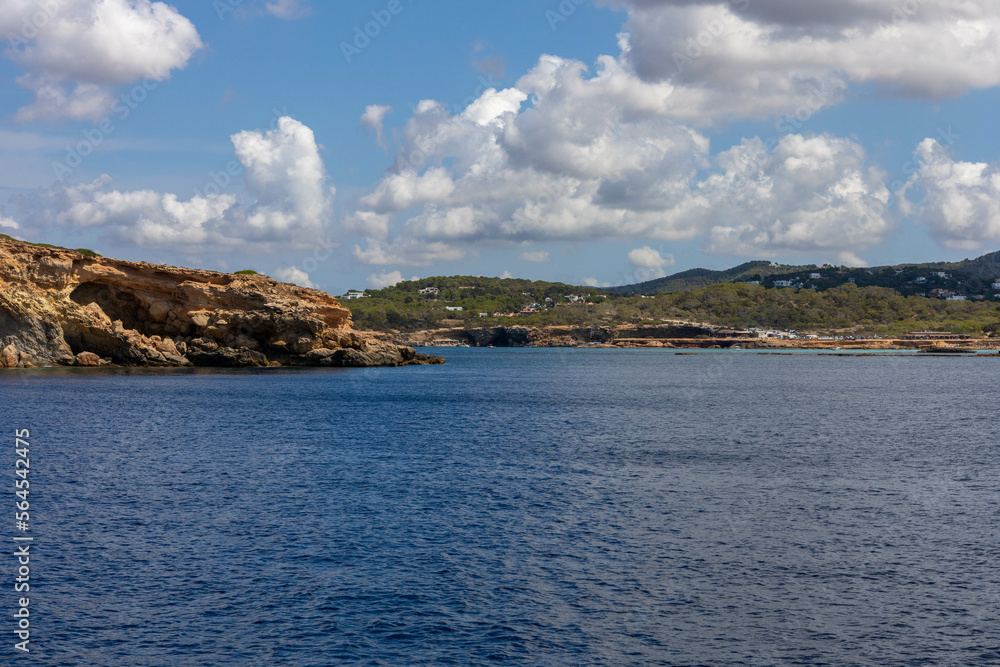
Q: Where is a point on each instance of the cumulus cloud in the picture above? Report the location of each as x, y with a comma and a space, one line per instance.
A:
810, 194
961, 200
601, 156
537, 256
847, 258
587, 159
771, 50
284, 171
8, 223
291, 274
649, 263
287, 9
381, 280
289, 202
594, 282
76, 52
373, 119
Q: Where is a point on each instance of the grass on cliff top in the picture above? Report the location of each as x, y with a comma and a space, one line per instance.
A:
246, 272
83, 251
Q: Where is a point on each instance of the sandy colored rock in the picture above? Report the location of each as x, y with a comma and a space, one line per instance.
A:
87, 359
57, 304
9, 357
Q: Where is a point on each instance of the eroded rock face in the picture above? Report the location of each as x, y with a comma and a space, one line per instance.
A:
56, 305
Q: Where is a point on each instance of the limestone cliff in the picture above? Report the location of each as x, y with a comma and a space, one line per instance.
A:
61, 307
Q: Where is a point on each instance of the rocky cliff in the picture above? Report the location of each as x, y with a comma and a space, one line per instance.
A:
62, 307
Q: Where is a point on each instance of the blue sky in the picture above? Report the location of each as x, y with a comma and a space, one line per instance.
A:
605, 142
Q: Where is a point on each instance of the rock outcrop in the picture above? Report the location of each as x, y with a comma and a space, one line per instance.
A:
61, 307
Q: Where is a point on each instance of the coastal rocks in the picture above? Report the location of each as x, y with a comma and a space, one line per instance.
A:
87, 359
9, 357
499, 337
228, 357
60, 307
381, 355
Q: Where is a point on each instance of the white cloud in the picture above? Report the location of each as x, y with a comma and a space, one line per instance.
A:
589, 159
373, 119
648, 258
407, 253
538, 256
594, 282
759, 57
598, 157
284, 171
649, 263
287, 9
7, 223
284, 176
811, 194
291, 274
850, 259
381, 280
961, 200
77, 51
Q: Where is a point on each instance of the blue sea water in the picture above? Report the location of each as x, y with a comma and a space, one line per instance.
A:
535, 507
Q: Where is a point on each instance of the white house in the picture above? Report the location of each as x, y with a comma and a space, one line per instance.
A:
454, 309
957, 298
815, 276
353, 294
430, 290
782, 283
996, 286
941, 274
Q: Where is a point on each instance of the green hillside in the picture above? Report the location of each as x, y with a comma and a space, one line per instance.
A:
970, 277
404, 307
696, 278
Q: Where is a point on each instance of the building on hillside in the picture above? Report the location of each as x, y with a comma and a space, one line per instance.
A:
815, 276
783, 283
430, 290
354, 294
996, 286
454, 309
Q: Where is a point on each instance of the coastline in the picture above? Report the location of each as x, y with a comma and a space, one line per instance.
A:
674, 335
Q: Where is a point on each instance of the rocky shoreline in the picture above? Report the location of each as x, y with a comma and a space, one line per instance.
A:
62, 307
671, 335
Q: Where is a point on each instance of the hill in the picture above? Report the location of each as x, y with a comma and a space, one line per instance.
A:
426, 303
970, 277
695, 278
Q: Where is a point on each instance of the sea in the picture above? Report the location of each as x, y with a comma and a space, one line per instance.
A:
514, 506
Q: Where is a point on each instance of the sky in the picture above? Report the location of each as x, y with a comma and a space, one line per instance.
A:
602, 142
